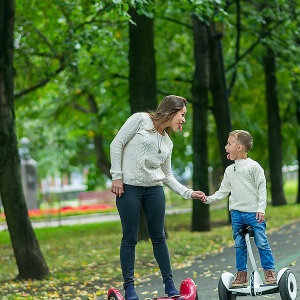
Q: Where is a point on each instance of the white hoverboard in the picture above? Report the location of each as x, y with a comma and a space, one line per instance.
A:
286, 281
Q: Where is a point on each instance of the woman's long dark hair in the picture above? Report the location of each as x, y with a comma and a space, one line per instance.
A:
165, 111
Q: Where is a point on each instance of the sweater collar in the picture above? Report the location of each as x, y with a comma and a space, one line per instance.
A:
241, 161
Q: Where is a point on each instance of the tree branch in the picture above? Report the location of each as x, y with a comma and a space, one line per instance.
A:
38, 85
176, 22
262, 36
81, 108
42, 36
92, 103
92, 20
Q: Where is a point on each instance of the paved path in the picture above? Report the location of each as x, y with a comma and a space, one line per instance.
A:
55, 221
285, 243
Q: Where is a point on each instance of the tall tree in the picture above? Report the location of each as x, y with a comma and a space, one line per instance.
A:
218, 87
142, 65
200, 89
274, 128
142, 75
273, 114
298, 151
220, 106
30, 260
296, 88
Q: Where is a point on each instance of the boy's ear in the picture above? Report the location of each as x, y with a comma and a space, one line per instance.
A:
239, 148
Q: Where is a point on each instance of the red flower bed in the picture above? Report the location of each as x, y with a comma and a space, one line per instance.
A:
69, 210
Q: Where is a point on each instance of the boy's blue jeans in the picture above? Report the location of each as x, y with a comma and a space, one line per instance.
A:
241, 219
152, 200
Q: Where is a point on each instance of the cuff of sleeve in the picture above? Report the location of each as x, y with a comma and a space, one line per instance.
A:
187, 194
261, 210
208, 201
117, 175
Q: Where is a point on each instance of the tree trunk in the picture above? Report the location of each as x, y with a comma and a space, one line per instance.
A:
142, 76
29, 258
220, 108
298, 149
102, 162
274, 129
200, 88
295, 85
142, 65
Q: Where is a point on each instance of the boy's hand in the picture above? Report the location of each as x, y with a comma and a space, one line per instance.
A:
260, 217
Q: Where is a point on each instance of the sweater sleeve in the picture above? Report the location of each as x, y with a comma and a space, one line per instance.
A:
260, 182
222, 192
171, 182
125, 134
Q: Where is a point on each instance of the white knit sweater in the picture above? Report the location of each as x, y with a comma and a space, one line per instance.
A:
135, 158
245, 181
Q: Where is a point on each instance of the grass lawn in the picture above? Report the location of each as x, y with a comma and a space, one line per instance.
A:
84, 259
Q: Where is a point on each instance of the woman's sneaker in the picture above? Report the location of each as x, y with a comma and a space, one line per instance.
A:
270, 277
240, 279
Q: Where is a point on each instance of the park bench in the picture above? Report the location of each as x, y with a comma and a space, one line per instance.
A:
96, 197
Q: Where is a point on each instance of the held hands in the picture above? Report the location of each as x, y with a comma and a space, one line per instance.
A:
199, 195
117, 187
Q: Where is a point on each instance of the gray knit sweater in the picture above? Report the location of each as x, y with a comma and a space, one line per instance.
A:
245, 181
135, 156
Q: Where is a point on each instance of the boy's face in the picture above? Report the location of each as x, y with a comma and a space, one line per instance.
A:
234, 148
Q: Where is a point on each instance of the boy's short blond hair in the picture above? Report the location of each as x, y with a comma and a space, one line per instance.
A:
244, 137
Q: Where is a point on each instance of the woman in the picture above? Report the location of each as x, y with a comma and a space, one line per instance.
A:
140, 165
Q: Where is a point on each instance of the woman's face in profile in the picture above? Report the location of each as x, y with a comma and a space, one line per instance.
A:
178, 119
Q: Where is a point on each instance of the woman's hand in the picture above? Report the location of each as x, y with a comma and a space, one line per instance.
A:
199, 195
117, 187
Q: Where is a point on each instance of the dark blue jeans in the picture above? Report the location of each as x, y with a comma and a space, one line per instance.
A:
152, 200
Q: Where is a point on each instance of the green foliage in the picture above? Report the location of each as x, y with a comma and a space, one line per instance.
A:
80, 49
73, 41
68, 52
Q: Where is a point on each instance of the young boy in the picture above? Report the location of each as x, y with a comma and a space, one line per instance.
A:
245, 181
